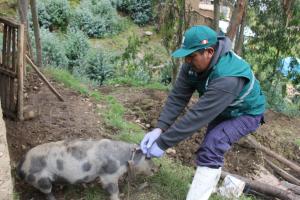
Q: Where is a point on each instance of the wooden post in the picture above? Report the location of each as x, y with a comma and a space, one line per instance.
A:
12, 80
21, 40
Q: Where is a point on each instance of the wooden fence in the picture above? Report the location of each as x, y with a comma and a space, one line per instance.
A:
12, 68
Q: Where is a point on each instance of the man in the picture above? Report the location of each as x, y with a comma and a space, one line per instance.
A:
231, 103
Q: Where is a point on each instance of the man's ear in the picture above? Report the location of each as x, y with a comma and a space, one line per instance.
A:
210, 51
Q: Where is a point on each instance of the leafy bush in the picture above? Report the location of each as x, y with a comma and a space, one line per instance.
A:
139, 10
53, 14
53, 53
76, 47
98, 66
166, 73
96, 18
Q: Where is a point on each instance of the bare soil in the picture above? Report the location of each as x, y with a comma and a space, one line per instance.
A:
76, 118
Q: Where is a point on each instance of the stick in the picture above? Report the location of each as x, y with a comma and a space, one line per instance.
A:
44, 79
292, 187
264, 188
271, 153
283, 173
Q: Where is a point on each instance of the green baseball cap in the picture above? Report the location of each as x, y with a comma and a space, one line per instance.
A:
196, 38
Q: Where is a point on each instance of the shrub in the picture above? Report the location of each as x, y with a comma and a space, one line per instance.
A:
166, 73
52, 49
139, 10
76, 47
96, 18
54, 14
98, 66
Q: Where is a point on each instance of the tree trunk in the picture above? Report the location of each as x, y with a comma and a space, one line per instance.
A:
23, 11
264, 188
236, 18
240, 39
36, 33
251, 140
287, 6
216, 15
285, 175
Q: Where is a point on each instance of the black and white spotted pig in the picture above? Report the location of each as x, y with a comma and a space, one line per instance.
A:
82, 161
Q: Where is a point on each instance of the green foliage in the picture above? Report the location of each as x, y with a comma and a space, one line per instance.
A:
53, 51
96, 18
53, 14
98, 66
139, 10
133, 66
68, 80
297, 141
76, 47
172, 180
275, 39
166, 74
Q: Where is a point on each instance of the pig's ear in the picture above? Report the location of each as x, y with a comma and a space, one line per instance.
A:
138, 154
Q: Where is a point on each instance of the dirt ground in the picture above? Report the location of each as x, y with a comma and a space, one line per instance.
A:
76, 118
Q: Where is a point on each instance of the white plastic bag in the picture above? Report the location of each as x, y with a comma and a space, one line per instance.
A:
232, 187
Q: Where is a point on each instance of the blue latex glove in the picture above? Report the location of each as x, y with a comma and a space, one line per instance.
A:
149, 139
155, 151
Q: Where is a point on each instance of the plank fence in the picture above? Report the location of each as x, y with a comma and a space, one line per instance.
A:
12, 68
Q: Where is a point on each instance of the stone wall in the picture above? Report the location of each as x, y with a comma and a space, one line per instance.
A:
6, 187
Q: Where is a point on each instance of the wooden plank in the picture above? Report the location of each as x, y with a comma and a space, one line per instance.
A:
14, 53
8, 72
4, 45
7, 90
44, 78
12, 90
20, 71
9, 21
8, 48
8, 113
13, 69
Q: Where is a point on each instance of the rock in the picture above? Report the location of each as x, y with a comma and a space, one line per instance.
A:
171, 151
148, 33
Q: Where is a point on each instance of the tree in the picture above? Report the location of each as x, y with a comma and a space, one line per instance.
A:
36, 29
240, 34
276, 28
236, 18
173, 25
216, 15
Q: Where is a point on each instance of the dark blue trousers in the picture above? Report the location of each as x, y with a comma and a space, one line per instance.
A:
221, 135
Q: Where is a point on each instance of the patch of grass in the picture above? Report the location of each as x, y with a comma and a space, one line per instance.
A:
8, 8
136, 83
16, 196
297, 141
116, 43
114, 116
68, 80
173, 179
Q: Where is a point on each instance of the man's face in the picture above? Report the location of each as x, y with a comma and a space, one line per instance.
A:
200, 60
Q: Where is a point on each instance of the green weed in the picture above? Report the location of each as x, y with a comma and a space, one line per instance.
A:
297, 141
68, 80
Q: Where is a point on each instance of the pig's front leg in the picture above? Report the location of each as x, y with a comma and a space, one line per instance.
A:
111, 186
